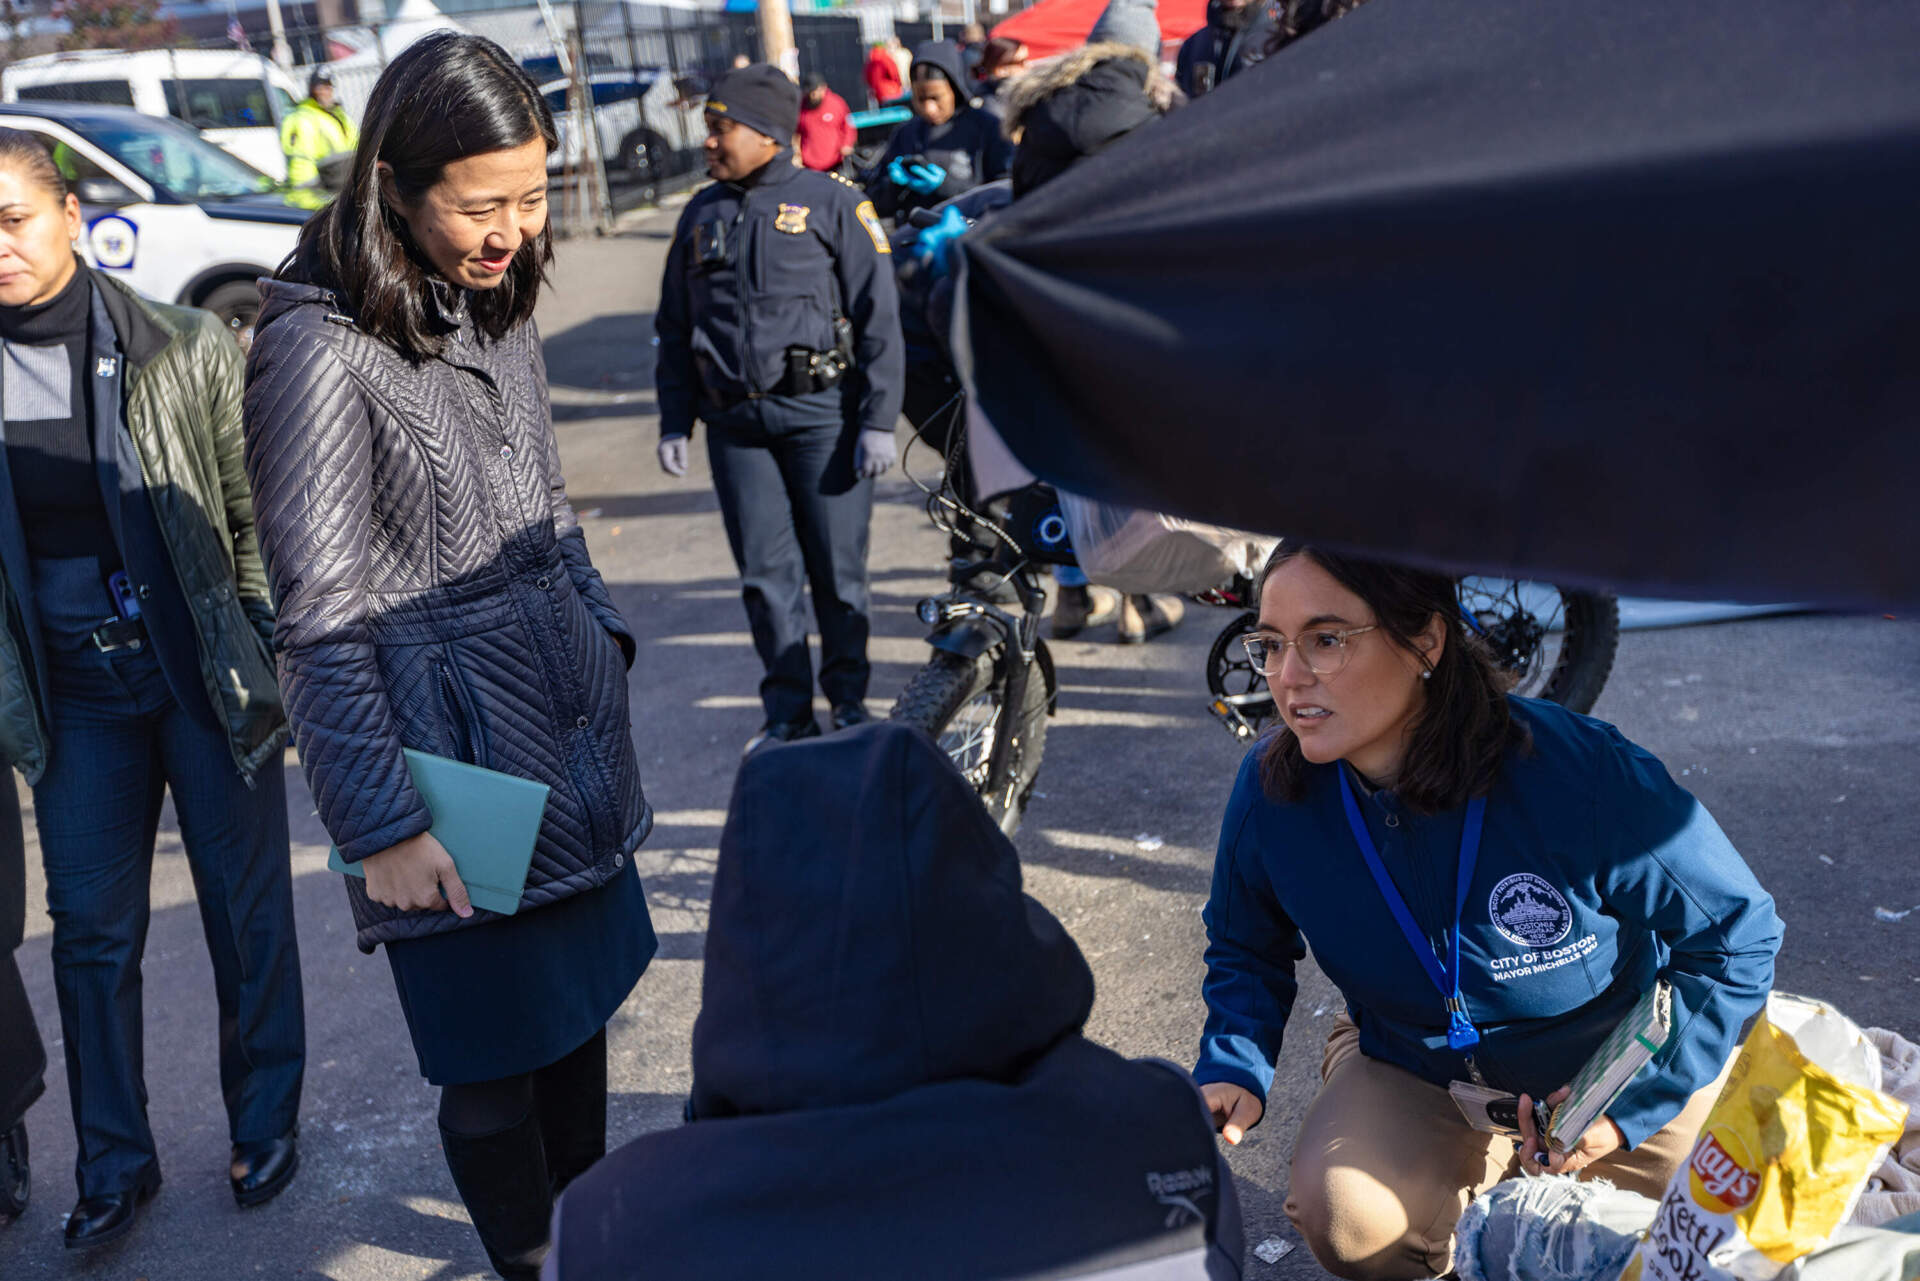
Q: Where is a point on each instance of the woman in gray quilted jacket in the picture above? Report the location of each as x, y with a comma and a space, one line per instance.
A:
435, 593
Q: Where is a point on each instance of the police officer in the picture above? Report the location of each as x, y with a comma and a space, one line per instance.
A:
779, 327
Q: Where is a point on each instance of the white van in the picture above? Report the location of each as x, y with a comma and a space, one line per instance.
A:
236, 99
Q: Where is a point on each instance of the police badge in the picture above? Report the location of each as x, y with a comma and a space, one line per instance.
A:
792, 219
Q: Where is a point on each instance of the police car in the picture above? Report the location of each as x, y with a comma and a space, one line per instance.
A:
237, 99
175, 216
638, 117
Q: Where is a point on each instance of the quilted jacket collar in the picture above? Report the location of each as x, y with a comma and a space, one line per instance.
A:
447, 308
279, 297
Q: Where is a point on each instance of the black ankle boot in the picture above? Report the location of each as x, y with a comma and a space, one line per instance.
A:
503, 1179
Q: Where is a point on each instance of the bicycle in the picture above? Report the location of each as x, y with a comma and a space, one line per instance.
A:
986, 656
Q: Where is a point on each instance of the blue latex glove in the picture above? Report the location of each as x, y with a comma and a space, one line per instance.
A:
934, 248
874, 454
923, 177
926, 178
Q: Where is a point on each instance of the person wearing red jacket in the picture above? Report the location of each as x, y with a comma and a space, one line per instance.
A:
882, 74
826, 135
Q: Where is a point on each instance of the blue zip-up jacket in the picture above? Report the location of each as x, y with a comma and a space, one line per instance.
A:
1597, 875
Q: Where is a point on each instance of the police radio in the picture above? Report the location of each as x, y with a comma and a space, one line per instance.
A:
710, 244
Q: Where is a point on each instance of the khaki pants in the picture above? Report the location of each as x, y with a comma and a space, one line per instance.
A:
1385, 1165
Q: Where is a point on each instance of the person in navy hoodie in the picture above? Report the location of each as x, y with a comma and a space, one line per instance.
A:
949, 147
1492, 882
890, 1073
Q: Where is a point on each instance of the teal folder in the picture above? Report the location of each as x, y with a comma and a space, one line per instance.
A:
487, 820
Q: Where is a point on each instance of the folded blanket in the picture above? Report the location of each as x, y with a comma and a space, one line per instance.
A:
1894, 1188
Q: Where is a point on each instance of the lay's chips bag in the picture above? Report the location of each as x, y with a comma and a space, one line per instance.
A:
1782, 1158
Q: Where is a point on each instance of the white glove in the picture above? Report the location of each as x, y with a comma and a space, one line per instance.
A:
874, 454
673, 455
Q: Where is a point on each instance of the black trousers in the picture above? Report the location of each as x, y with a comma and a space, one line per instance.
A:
120, 743
796, 516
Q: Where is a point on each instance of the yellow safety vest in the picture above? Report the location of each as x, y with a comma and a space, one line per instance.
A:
310, 134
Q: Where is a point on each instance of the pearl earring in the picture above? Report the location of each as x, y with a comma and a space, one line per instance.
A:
1427, 675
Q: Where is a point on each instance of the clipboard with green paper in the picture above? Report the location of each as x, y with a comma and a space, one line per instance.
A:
488, 822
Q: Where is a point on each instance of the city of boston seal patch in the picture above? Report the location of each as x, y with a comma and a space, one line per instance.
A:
1529, 911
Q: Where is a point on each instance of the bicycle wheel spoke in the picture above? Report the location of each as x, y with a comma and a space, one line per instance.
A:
970, 737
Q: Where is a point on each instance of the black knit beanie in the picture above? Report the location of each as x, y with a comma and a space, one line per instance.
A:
759, 97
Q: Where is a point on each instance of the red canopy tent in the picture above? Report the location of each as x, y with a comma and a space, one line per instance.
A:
1055, 26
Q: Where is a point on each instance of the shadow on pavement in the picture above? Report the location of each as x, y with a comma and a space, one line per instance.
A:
676, 502
579, 412
613, 352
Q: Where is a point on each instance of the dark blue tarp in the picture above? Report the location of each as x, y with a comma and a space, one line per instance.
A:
1621, 293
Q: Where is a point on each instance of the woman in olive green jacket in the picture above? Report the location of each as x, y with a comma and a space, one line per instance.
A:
135, 661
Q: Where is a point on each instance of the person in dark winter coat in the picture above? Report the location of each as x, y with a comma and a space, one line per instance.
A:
949, 146
779, 329
1079, 105
1238, 34
134, 664
436, 594
889, 1060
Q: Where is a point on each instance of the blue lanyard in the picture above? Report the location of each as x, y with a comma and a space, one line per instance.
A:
1461, 1034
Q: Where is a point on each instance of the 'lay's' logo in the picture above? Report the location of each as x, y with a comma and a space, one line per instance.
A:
1719, 1178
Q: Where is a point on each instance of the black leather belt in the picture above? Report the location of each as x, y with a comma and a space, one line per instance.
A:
120, 636
805, 373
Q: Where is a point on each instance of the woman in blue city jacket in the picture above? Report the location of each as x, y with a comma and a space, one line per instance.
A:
1593, 877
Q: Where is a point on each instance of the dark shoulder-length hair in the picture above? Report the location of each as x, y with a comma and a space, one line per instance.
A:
1466, 727
447, 97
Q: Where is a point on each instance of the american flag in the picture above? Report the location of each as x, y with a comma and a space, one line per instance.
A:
238, 34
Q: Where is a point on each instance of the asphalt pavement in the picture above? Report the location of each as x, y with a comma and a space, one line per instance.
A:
1802, 735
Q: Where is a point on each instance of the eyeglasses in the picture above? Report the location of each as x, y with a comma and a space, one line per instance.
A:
1324, 652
